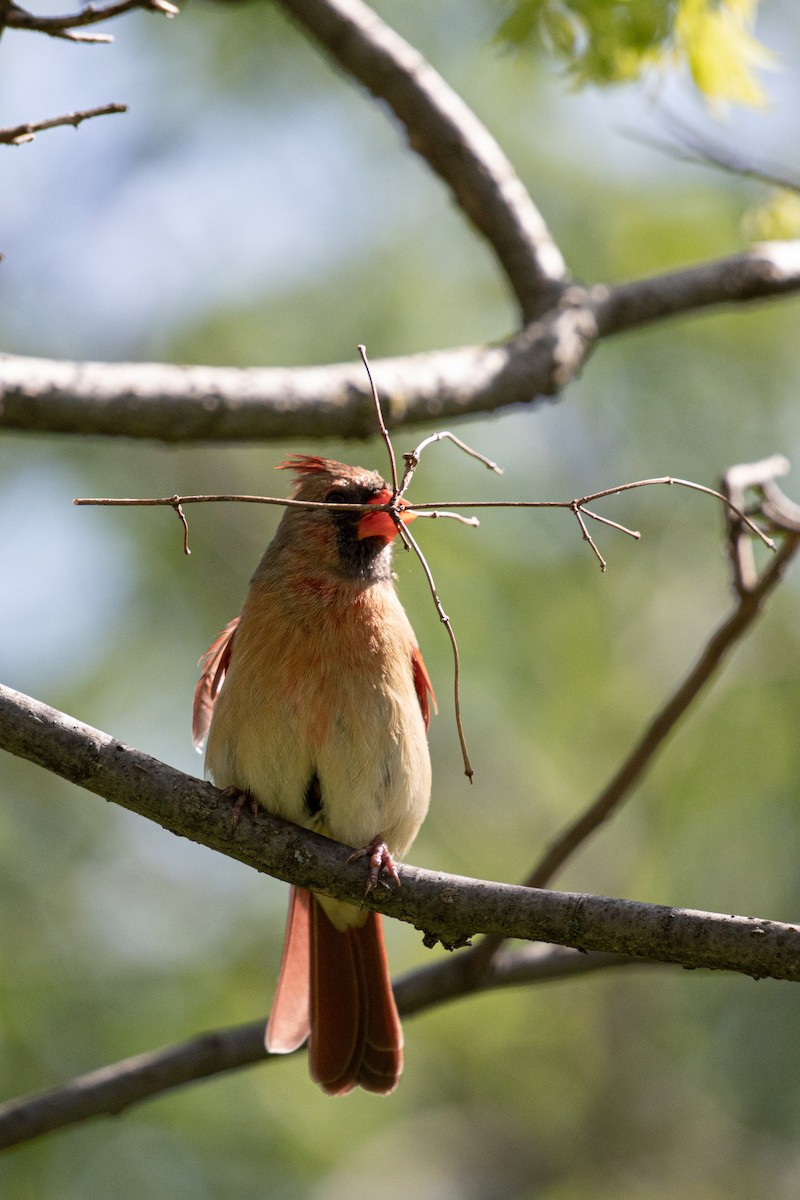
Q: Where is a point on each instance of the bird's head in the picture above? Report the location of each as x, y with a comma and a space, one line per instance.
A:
350, 543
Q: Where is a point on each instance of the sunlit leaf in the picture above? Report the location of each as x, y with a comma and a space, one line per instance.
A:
605, 41
776, 220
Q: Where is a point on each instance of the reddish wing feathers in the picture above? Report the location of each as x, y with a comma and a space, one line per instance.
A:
213, 666
423, 686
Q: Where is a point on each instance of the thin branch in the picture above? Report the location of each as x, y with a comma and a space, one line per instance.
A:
64, 26
412, 459
692, 146
662, 724
449, 137
437, 508
17, 135
443, 617
115, 1088
182, 517
587, 537
384, 432
227, 404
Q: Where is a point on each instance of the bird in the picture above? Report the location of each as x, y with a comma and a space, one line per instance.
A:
315, 703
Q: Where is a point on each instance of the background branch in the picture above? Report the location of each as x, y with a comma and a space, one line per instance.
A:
62, 27
16, 135
444, 131
110, 1090
655, 734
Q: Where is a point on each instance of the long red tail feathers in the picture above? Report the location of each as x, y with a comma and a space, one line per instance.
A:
335, 987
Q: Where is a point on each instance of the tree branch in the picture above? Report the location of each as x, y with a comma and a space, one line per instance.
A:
16, 17
449, 908
214, 404
111, 1090
720, 644
768, 269
447, 134
16, 135
752, 592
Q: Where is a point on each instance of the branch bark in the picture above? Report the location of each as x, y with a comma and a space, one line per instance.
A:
609, 932
449, 908
214, 404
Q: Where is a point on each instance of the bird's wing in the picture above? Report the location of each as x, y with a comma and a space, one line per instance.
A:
213, 666
423, 686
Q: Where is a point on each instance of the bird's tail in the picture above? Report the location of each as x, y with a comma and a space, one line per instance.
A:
335, 989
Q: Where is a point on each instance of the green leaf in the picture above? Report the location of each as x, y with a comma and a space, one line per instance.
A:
617, 41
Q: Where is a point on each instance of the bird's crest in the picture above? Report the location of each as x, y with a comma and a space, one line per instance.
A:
307, 464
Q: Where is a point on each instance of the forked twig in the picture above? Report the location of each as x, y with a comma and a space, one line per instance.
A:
412, 459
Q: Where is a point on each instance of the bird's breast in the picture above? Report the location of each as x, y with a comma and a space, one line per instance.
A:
318, 717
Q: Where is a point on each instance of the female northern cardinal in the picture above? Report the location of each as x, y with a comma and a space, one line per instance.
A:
323, 721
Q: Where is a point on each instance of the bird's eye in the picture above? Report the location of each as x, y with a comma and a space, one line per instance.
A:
337, 496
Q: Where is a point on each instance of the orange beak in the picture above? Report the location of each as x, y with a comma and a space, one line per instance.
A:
381, 524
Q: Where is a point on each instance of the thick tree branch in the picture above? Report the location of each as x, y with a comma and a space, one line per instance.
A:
768, 269
444, 131
449, 908
214, 404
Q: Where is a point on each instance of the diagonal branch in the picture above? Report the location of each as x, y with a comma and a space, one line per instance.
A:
449, 908
113, 1089
447, 134
655, 734
215, 404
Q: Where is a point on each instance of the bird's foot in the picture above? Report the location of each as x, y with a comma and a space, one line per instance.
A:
380, 860
240, 798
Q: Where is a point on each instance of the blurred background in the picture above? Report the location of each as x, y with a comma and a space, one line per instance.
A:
255, 208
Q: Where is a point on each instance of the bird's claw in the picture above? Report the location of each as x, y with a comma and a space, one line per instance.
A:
380, 859
240, 798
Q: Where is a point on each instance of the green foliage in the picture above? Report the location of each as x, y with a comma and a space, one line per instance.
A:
776, 219
609, 41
